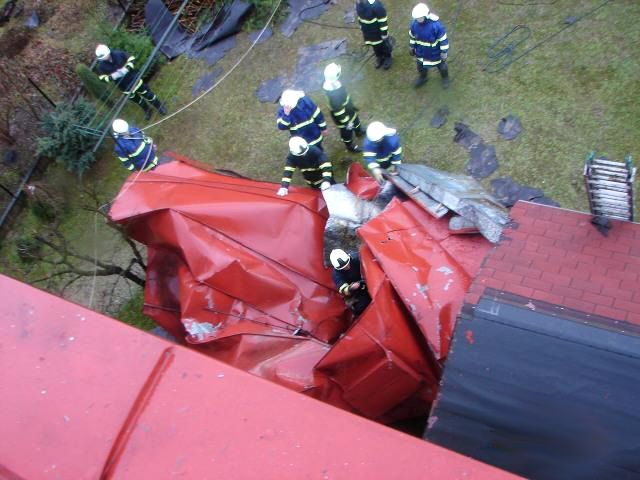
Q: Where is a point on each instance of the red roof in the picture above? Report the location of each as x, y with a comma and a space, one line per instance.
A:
558, 256
83, 396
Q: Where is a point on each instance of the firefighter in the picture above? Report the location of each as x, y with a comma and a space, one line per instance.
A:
117, 66
372, 17
343, 112
348, 279
381, 150
429, 44
312, 162
135, 150
302, 117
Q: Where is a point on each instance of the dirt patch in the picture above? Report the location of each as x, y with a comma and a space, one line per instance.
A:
14, 41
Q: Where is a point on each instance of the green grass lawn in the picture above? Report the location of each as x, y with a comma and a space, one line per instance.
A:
576, 93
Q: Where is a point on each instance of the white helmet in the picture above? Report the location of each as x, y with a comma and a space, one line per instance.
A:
419, 11
298, 146
120, 126
339, 259
332, 72
290, 98
102, 52
376, 130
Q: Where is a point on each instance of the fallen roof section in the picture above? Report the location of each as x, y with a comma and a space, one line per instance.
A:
89, 397
238, 273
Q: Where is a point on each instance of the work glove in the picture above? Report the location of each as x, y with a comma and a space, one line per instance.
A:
354, 286
349, 126
443, 55
325, 186
384, 37
117, 75
412, 51
377, 174
282, 192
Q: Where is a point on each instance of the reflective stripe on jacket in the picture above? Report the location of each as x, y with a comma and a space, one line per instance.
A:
304, 120
118, 60
429, 40
373, 21
342, 109
384, 153
314, 165
135, 150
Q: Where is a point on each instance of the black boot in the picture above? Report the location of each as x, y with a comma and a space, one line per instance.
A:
352, 147
147, 111
444, 73
162, 110
422, 76
386, 63
379, 61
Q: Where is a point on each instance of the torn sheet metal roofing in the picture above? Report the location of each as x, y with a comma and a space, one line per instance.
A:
83, 396
238, 273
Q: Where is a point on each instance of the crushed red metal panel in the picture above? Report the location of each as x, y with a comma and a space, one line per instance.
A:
557, 256
83, 396
238, 273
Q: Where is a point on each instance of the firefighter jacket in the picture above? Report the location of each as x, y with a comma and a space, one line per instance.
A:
304, 120
119, 59
135, 150
429, 39
373, 21
313, 164
345, 277
384, 153
342, 109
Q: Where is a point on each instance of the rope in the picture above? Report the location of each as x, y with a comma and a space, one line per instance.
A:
489, 66
210, 89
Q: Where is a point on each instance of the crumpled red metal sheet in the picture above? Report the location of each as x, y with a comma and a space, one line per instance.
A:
237, 272
429, 278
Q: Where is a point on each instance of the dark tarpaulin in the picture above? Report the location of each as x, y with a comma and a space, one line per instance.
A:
440, 117
227, 22
308, 74
508, 192
300, 10
205, 82
545, 392
509, 127
483, 161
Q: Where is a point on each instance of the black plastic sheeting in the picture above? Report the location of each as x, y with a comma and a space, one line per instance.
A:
270, 91
509, 127
544, 392
226, 23
300, 10
483, 161
465, 137
440, 117
205, 82
308, 74
253, 36
216, 52
508, 192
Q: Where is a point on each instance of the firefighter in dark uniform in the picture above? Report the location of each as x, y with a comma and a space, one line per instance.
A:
311, 161
428, 42
372, 17
301, 117
348, 279
343, 112
117, 66
135, 150
381, 150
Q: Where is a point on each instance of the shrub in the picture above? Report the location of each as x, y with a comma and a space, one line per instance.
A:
63, 141
261, 12
28, 249
97, 88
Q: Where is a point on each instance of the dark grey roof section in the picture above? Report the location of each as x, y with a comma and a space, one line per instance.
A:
542, 391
